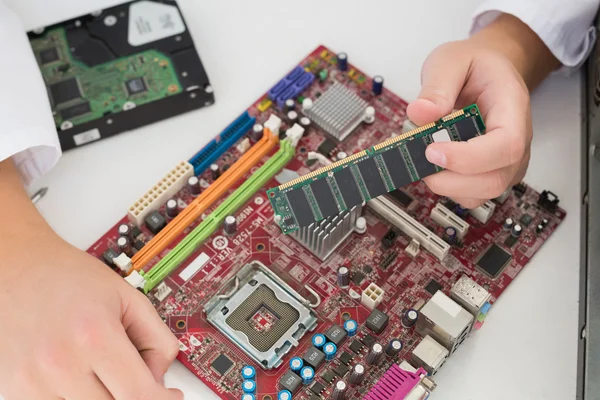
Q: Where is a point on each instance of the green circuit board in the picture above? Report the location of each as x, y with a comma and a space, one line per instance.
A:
80, 93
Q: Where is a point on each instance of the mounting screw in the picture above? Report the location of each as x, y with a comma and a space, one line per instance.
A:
110, 20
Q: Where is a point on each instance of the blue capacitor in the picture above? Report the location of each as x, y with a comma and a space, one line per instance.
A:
249, 386
296, 364
329, 349
377, 85
342, 59
248, 396
319, 340
351, 327
308, 375
248, 372
284, 395
460, 211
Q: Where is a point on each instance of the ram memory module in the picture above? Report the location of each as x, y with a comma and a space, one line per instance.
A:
370, 173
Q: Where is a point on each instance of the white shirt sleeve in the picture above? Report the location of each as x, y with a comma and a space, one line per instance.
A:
565, 26
27, 131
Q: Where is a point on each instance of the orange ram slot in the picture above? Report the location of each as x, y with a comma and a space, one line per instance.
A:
207, 198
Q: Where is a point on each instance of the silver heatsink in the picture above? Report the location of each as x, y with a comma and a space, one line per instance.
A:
323, 237
338, 111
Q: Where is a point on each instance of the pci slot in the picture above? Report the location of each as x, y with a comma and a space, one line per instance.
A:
400, 219
212, 222
207, 198
212, 151
446, 218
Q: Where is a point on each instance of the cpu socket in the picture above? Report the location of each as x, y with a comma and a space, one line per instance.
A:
260, 313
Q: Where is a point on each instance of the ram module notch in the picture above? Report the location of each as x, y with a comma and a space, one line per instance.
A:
370, 173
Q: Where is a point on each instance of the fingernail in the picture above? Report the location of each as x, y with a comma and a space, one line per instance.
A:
436, 157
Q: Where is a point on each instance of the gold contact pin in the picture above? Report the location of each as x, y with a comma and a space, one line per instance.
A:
454, 115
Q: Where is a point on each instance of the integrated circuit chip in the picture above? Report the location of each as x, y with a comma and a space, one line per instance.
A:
494, 260
356, 346
467, 128
222, 364
397, 167
327, 147
65, 91
136, 86
348, 189
50, 55
346, 358
416, 148
75, 111
433, 286
371, 177
324, 197
317, 388
300, 207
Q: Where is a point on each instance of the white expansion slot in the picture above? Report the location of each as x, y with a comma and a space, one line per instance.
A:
484, 213
445, 218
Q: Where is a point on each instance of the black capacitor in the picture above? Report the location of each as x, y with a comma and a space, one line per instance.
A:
290, 104
358, 374
340, 390
215, 172
449, 235
305, 122
292, 116
409, 318
545, 222
393, 348
124, 230
375, 354
377, 85
172, 209
508, 224
342, 61
257, 132
343, 276
539, 228
516, 231
230, 225
194, 185
125, 245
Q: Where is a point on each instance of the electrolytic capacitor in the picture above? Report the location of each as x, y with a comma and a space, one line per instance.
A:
358, 374
284, 395
249, 386
369, 115
351, 327
307, 104
343, 276
508, 224
319, 340
194, 185
545, 222
305, 121
215, 172
516, 231
375, 354
377, 85
296, 364
393, 348
342, 61
340, 391
257, 132
248, 372
292, 116
230, 225
124, 230
172, 208
449, 235
409, 318
249, 396
308, 375
460, 211
539, 228
124, 245
290, 104
330, 350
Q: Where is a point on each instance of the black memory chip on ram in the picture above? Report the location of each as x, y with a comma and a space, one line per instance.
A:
300, 207
322, 193
467, 128
371, 177
76, 110
396, 167
416, 149
348, 188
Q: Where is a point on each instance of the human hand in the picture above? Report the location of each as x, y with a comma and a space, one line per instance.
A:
494, 70
73, 329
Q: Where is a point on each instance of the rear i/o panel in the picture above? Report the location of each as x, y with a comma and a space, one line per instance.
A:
367, 303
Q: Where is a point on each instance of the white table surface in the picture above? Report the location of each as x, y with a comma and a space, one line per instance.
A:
527, 348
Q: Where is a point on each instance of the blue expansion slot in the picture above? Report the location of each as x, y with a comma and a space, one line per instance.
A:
212, 151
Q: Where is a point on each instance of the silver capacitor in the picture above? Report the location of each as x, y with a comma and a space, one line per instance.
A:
194, 185
340, 390
358, 374
230, 225
343, 276
172, 209
124, 245
292, 116
305, 121
393, 348
215, 172
257, 132
516, 231
375, 354
124, 230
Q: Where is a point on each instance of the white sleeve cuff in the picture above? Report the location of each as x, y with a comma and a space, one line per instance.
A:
564, 26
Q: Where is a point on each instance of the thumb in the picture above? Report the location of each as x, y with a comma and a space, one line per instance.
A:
443, 77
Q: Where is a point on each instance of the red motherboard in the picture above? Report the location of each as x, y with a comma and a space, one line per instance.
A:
407, 281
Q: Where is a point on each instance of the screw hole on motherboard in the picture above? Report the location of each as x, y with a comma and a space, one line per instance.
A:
267, 397
473, 110
260, 247
302, 150
346, 316
180, 324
